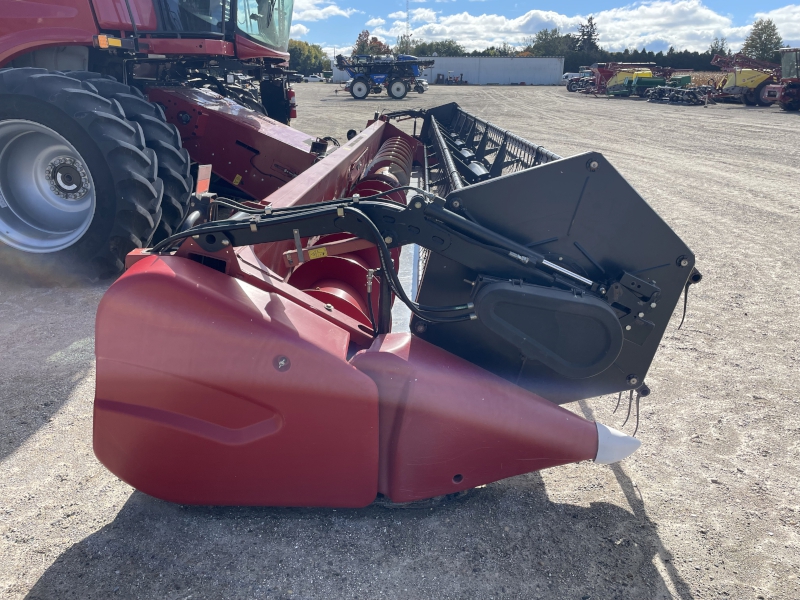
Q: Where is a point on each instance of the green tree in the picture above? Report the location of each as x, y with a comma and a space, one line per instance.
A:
369, 45
362, 43
307, 58
763, 42
551, 42
440, 48
404, 45
504, 49
719, 46
587, 36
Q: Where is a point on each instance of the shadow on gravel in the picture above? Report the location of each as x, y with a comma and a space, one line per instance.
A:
47, 336
40, 271
507, 540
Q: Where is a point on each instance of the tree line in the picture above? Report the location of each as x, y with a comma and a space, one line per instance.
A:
578, 49
582, 48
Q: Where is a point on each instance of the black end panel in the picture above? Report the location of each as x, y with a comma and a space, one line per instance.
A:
575, 335
584, 217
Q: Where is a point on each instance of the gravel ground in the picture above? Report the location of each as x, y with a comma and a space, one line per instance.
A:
708, 507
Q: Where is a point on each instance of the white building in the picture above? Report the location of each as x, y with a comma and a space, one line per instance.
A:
485, 70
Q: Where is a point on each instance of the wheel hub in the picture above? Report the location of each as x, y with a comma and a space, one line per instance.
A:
47, 193
67, 178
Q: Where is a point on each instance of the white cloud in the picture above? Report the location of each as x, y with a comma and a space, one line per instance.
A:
686, 24
298, 30
375, 22
317, 10
656, 24
424, 15
788, 21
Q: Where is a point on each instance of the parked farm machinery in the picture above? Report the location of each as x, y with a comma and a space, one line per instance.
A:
787, 92
746, 79
626, 79
583, 80
371, 74
679, 90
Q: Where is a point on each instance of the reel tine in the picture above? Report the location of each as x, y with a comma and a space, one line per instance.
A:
619, 399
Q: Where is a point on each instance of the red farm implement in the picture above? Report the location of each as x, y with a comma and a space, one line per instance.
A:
250, 359
246, 355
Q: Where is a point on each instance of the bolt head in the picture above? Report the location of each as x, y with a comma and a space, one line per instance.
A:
633, 380
627, 327
225, 243
329, 307
641, 314
684, 263
417, 204
388, 239
653, 305
456, 203
420, 327
602, 291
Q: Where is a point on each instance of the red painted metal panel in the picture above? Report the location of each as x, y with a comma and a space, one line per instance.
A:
246, 49
333, 177
211, 391
113, 14
27, 25
447, 425
195, 47
244, 147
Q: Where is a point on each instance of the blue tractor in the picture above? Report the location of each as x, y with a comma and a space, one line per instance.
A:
373, 73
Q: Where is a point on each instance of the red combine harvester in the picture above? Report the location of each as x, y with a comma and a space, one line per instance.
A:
246, 355
787, 92
100, 100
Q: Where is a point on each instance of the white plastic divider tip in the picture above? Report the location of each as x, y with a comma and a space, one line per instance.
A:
613, 445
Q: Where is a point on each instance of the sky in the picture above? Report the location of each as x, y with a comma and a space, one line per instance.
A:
476, 24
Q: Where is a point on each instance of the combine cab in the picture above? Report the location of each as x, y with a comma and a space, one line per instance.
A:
250, 359
787, 92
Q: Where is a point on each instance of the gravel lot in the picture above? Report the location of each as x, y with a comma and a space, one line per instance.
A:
708, 507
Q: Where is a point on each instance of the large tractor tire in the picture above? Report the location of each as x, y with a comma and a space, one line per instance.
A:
397, 89
758, 94
790, 106
162, 137
77, 180
359, 89
572, 86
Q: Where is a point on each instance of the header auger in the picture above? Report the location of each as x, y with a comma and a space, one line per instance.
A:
249, 359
